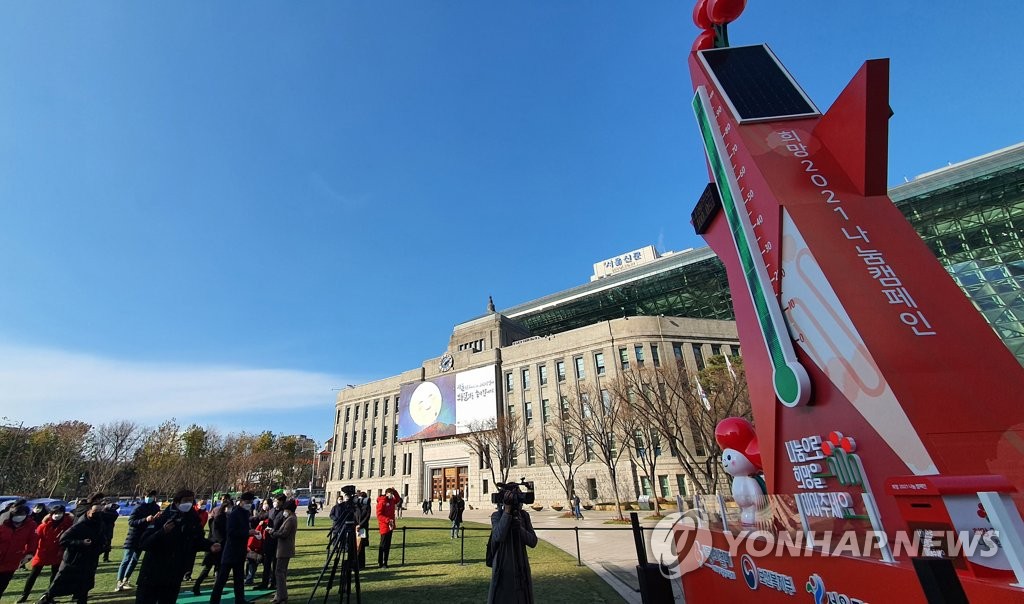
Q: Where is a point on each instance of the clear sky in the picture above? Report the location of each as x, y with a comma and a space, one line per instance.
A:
220, 211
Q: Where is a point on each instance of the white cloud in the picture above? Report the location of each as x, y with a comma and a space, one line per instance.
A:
39, 385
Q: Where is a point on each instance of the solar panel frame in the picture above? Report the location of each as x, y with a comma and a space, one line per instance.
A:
813, 110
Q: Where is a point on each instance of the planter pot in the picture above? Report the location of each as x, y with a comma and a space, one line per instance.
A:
557, 508
588, 507
537, 508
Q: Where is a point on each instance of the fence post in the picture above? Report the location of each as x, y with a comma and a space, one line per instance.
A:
403, 546
462, 562
579, 560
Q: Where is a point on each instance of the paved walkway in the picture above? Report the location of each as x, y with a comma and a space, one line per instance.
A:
610, 554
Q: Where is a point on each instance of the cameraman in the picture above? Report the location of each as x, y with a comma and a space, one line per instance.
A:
511, 533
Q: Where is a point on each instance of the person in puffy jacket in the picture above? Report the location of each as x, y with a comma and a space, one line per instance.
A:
18, 541
254, 553
142, 516
386, 523
48, 552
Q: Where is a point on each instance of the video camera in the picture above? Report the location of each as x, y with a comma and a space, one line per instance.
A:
527, 497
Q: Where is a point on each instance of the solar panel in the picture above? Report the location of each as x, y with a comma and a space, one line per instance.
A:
756, 86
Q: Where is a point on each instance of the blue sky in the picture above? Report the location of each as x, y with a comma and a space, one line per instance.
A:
221, 212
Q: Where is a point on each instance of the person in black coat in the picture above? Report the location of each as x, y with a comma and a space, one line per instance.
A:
511, 533
218, 532
456, 508
143, 514
170, 546
83, 545
276, 517
362, 519
232, 557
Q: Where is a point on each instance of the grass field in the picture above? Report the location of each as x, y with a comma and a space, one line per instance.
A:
431, 571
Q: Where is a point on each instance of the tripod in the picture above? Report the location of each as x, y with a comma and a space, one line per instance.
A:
341, 550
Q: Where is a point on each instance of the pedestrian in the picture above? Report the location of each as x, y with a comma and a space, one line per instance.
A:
170, 546
232, 559
142, 516
456, 507
399, 510
218, 529
362, 520
83, 545
311, 511
386, 522
424, 506
285, 536
254, 551
275, 517
39, 513
576, 511
18, 540
440, 504
48, 551
199, 507
511, 534
110, 517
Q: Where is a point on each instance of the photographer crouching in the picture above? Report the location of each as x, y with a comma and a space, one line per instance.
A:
511, 533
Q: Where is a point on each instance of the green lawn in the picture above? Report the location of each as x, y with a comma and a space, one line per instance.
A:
431, 561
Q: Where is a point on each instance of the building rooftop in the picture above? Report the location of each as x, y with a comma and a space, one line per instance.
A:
1011, 157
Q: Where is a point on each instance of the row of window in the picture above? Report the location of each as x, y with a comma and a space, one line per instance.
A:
373, 437
625, 360
352, 411
645, 485
406, 467
475, 345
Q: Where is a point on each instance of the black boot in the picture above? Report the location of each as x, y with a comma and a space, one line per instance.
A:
199, 580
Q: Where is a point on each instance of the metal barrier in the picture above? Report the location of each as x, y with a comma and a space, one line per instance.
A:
463, 529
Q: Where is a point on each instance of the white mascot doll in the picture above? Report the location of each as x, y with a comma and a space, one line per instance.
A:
741, 458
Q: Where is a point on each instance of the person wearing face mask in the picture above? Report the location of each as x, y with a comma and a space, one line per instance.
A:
39, 513
362, 519
285, 537
49, 551
386, 523
218, 521
142, 517
169, 548
232, 557
18, 542
83, 544
270, 544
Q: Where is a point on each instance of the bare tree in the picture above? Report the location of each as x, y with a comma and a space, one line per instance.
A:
159, 459
669, 399
61, 447
564, 451
640, 434
497, 442
602, 428
108, 448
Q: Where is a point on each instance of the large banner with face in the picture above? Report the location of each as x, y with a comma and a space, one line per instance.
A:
447, 405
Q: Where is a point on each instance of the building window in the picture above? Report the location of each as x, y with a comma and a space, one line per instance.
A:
341, 471
677, 350
344, 441
396, 405
645, 485
526, 379
639, 351
655, 355
355, 439
362, 466
512, 412
364, 438
606, 402
569, 449
736, 351
357, 413
663, 484
549, 450
373, 437
396, 432
592, 488
351, 469
386, 401
681, 485
560, 370
485, 486
580, 371
347, 414
376, 408
514, 455
366, 410
698, 442
508, 382
624, 358
394, 463
565, 406
698, 355
542, 374
371, 467
337, 417
599, 362
612, 450
545, 410
590, 448
529, 413
531, 454
716, 350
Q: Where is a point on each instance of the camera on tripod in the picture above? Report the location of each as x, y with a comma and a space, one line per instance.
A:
522, 497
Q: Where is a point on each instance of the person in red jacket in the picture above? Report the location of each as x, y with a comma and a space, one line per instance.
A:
18, 541
49, 552
254, 551
386, 522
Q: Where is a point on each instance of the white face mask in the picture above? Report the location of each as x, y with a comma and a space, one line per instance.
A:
58, 517
246, 506
149, 500
287, 513
184, 507
18, 519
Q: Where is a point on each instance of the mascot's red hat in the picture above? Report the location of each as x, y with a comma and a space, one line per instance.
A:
738, 434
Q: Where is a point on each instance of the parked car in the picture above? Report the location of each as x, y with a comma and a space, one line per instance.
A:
49, 502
